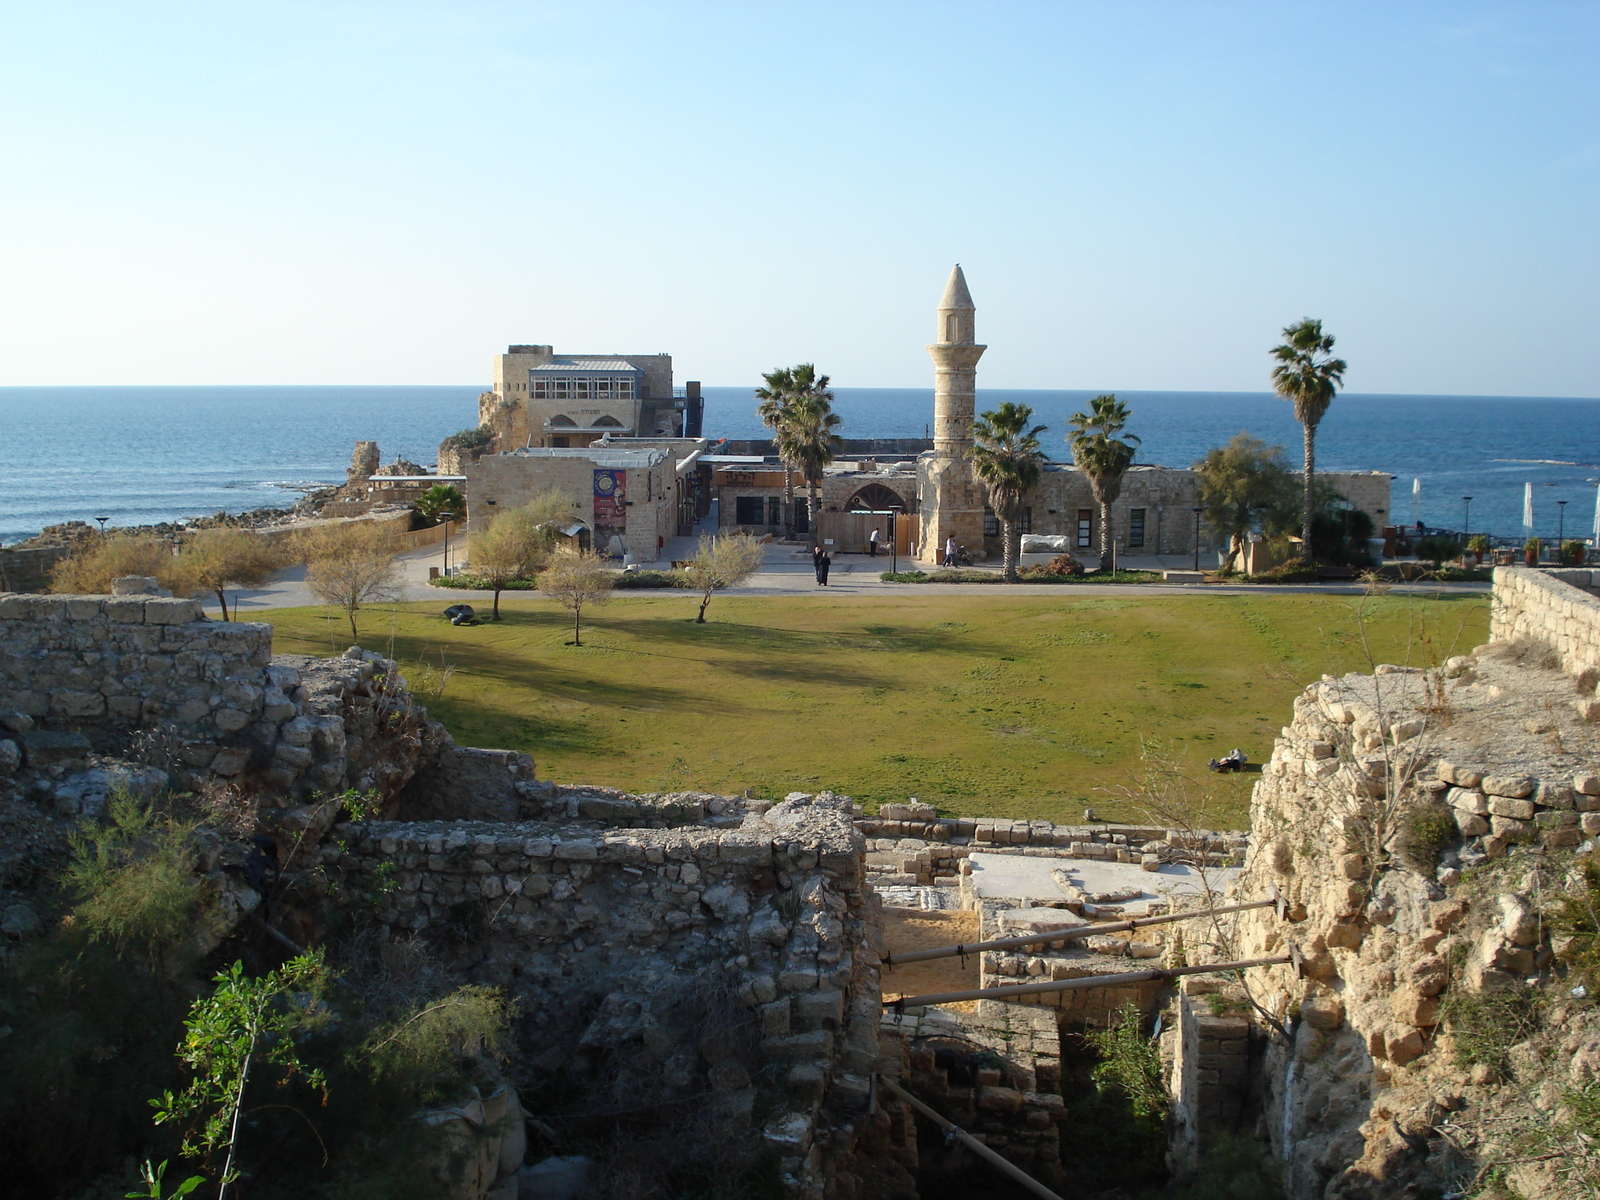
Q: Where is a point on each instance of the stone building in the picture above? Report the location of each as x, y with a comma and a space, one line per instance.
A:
544, 399
632, 493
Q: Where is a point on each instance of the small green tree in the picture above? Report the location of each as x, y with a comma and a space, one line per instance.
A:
576, 581
1008, 462
720, 563
1243, 481
516, 543
243, 1026
1308, 376
213, 560
439, 499
1103, 457
349, 564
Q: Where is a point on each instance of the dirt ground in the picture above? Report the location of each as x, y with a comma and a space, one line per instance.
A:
906, 929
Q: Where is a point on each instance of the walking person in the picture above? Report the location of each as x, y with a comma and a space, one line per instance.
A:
872, 544
950, 549
816, 563
824, 564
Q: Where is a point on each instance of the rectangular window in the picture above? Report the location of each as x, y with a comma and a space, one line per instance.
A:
802, 515
991, 524
1025, 521
774, 510
1085, 528
750, 510
1135, 527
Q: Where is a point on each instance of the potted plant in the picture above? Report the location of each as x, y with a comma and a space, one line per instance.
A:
1573, 552
1478, 543
1530, 551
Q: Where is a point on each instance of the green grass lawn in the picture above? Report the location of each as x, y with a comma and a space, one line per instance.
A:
982, 705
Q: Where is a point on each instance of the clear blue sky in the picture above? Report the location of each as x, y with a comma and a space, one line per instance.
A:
1142, 194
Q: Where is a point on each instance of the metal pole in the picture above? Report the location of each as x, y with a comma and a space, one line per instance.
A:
1561, 527
1466, 517
1197, 513
447, 517
1006, 991
971, 1143
1066, 935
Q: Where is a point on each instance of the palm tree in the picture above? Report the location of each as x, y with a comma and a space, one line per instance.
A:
773, 409
807, 440
1103, 457
1307, 375
785, 388
1007, 460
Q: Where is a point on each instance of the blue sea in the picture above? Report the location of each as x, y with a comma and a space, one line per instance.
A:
140, 455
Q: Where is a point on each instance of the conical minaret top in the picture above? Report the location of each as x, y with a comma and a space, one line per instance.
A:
957, 313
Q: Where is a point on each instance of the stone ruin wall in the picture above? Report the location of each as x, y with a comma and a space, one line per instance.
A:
1353, 1098
767, 907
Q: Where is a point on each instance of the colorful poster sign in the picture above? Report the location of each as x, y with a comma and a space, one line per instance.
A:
610, 504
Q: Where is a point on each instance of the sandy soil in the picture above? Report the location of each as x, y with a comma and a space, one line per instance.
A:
907, 929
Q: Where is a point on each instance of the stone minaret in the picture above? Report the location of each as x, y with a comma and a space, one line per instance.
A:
949, 498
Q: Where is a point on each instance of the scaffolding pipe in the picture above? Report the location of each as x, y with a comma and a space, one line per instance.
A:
952, 1130
1063, 935
1006, 991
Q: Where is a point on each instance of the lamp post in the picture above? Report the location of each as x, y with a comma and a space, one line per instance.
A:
1197, 513
894, 540
1466, 517
448, 517
102, 521
1561, 525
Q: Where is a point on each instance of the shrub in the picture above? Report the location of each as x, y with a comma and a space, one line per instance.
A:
650, 579
1063, 564
1573, 552
1478, 543
1290, 572
1533, 546
1437, 549
1130, 1063
469, 439
1426, 832
1577, 919
1486, 1027
135, 883
96, 561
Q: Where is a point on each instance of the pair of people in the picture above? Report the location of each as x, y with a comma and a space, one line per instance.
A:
823, 562
1229, 762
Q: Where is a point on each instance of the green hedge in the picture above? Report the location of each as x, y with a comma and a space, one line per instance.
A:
628, 579
960, 576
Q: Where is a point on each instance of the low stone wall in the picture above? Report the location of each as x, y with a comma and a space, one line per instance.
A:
126, 661
208, 697
1560, 608
29, 570
772, 912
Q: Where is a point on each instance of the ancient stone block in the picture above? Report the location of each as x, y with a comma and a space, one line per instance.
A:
1514, 786
1503, 806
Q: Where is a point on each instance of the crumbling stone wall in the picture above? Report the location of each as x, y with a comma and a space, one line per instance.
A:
28, 570
770, 906
125, 661
208, 696
1361, 1072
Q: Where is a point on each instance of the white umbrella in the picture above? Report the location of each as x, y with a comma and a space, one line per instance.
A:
1527, 507
1597, 516
1416, 500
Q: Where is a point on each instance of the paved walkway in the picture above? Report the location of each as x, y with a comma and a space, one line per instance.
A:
787, 568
